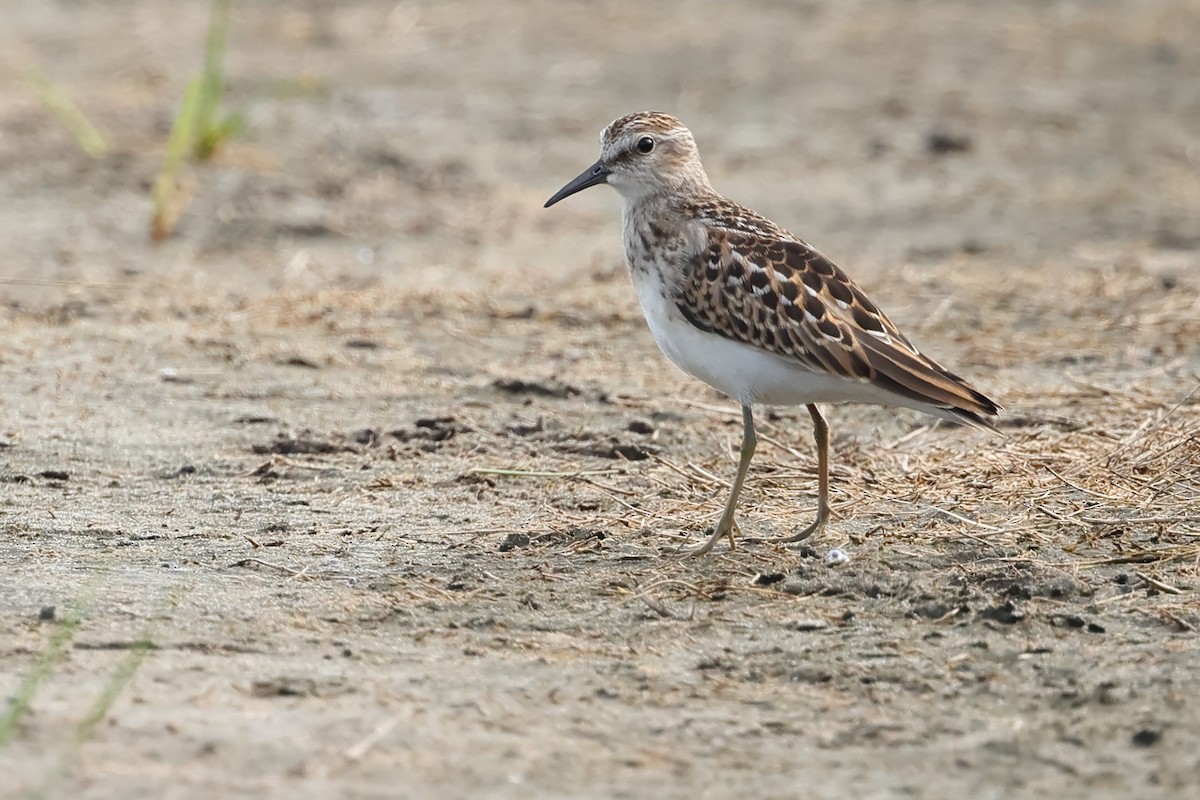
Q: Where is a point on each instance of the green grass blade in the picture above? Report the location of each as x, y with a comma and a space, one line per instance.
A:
112, 690
183, 133
57, 100
62, 636
210, 133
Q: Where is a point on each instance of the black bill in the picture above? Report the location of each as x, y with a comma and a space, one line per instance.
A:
596, 173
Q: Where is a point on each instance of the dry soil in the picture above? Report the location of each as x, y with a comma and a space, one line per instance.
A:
370, 482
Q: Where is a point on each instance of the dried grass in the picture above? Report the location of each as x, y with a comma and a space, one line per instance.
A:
1097, 472
1096, 475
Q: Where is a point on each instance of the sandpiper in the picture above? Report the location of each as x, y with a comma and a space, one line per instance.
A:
752, 310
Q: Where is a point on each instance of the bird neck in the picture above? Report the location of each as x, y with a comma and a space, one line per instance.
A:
668, 200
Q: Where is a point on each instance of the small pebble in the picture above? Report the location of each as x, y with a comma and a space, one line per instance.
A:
171, 375
641, 426
837, 556
1146, 737
365, 436
940, 141
513, 541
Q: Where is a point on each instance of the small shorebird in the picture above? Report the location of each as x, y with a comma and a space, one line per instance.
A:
753, 311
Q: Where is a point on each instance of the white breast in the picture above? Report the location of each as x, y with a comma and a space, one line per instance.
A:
743, 372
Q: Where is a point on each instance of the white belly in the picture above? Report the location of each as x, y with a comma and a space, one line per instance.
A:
743, 372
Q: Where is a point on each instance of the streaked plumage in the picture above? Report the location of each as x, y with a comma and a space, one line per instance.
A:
739, 302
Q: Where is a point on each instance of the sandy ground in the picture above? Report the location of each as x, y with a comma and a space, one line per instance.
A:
381, 460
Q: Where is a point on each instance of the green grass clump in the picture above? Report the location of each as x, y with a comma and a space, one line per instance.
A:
199, 128
19, 706
85, 729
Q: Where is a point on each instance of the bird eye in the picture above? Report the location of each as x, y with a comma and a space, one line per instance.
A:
645, 144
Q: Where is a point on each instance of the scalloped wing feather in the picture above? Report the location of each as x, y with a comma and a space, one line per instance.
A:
755, 283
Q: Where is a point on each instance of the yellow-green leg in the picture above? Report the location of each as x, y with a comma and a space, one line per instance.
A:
725, 526
821, 434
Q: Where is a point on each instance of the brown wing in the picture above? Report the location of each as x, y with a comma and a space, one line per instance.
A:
780, 295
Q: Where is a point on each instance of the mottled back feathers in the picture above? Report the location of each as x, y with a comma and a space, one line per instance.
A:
756, 283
